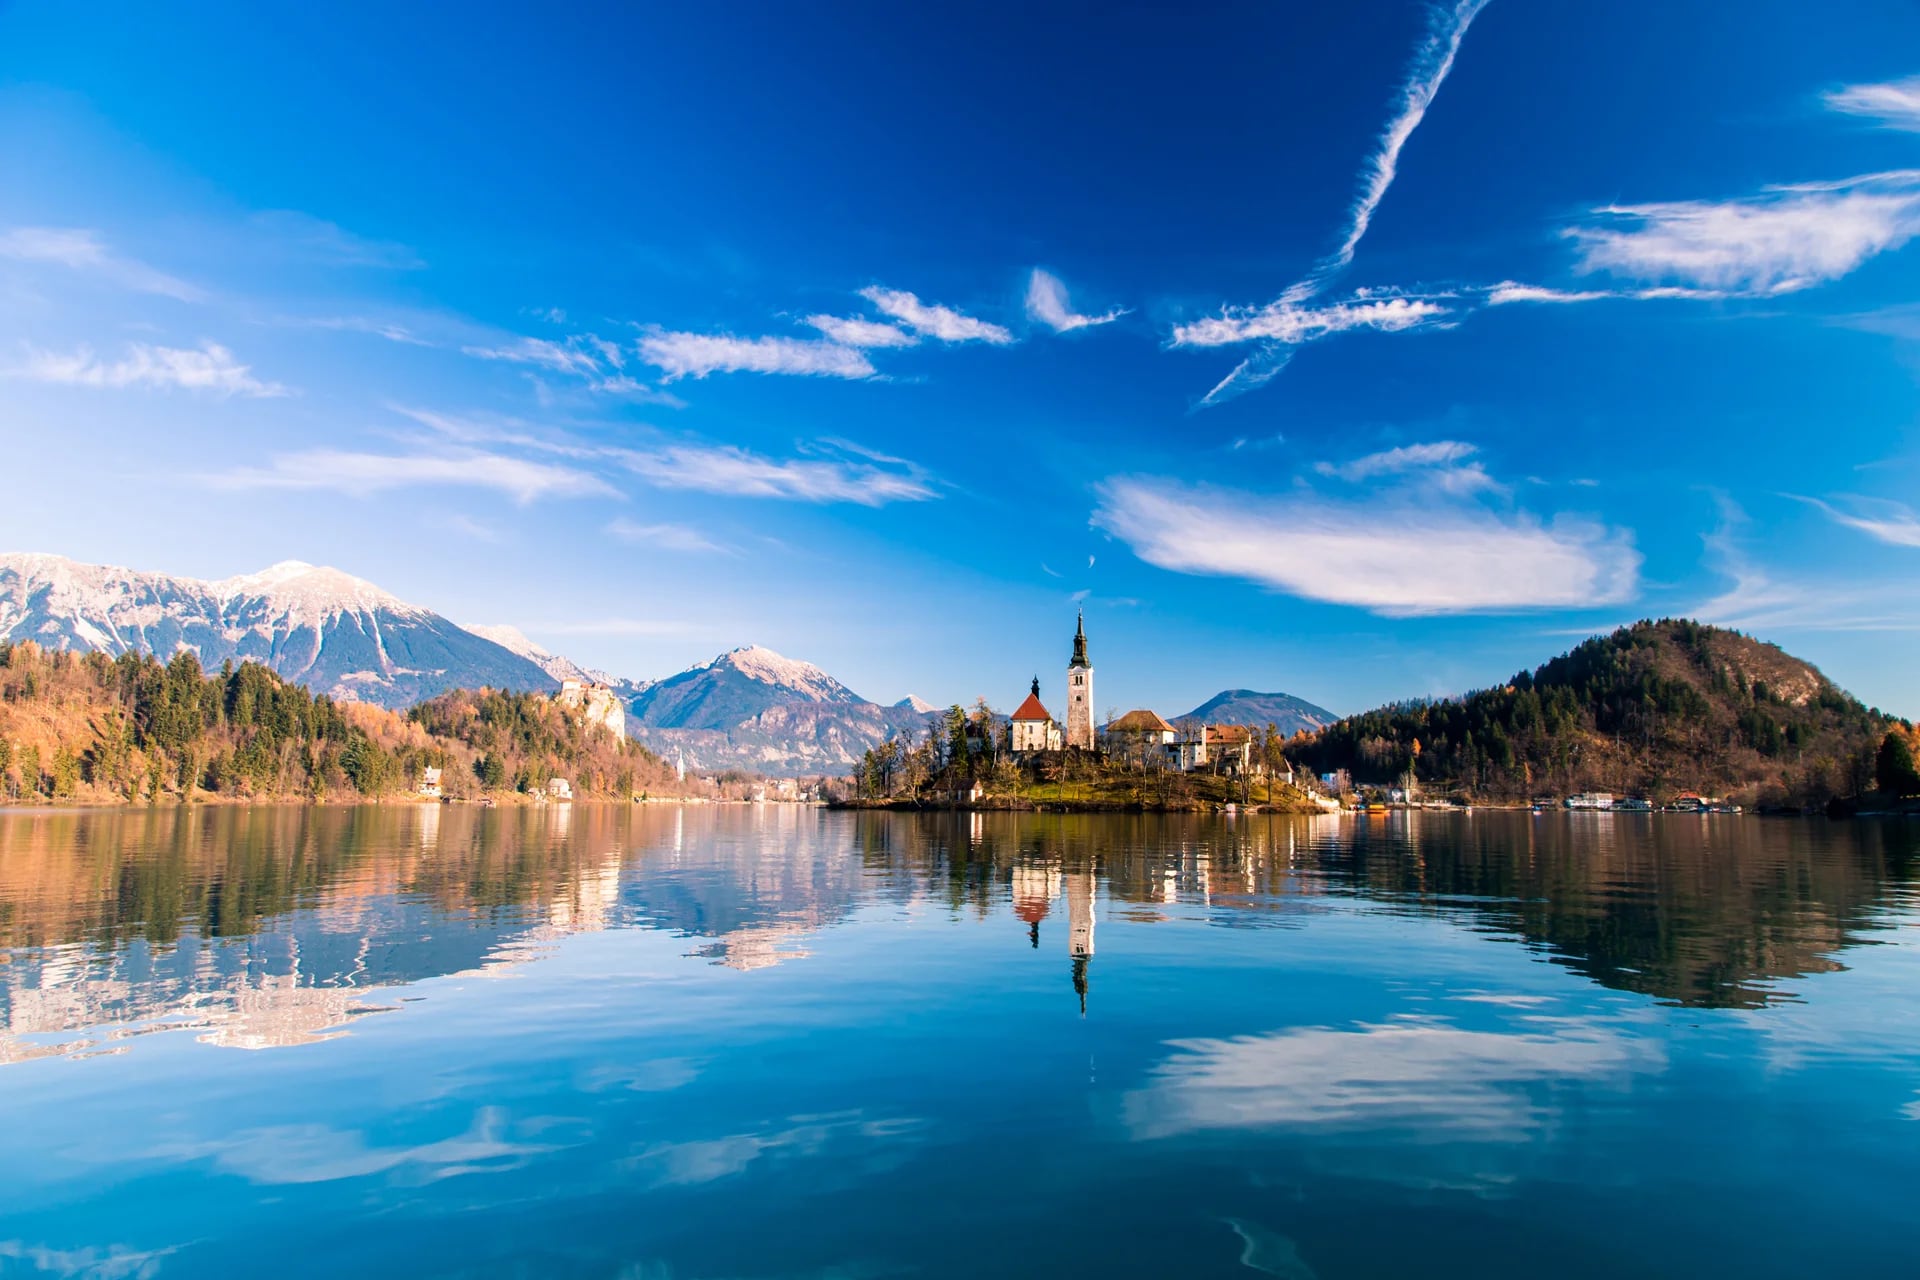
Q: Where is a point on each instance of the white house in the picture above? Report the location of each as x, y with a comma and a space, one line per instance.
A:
1033, 725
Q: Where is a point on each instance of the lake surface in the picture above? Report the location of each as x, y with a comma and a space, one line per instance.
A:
655, 1043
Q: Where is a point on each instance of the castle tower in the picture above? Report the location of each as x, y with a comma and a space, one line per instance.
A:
1080, 691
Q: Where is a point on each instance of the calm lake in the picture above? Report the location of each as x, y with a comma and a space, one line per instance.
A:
658, 1043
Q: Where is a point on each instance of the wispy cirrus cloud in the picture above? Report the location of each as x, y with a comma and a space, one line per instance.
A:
1759, 599
1290, 321
866, 479
1421, 548
1893, 523
209, 367
328, 242
1047, 304
365, 474
1444, 465
695, 355
1784, 239
852, 331
933, 320
1894, 104
81, 249
664, 537
1432, 62
1295, 323
556, 357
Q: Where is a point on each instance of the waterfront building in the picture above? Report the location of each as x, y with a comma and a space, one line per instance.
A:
1034, 728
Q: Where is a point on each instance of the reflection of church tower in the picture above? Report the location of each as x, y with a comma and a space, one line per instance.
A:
1080, 691
1080, 928
1033, 891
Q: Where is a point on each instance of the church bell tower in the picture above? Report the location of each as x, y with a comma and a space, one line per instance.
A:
1080, 691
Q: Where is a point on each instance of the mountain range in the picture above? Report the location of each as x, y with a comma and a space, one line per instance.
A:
750, 709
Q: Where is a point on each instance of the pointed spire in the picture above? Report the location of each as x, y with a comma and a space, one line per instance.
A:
1036, 686
1080, 642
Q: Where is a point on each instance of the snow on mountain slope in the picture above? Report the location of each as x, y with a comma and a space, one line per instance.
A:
754, 709
333, 632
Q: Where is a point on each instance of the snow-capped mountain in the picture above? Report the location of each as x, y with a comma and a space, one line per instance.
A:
914, 703
754, 709
333, 632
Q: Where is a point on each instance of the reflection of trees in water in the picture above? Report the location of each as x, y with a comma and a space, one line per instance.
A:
1702, 911
132, 913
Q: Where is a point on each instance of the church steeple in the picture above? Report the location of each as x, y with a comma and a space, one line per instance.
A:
1080, 690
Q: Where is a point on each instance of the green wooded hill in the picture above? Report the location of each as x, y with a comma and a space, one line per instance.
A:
1653, 709
91, 728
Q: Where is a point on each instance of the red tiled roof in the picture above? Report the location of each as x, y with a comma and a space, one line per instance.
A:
1229, 734
1032, 710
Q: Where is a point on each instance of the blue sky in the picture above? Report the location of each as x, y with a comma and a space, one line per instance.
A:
1358, 351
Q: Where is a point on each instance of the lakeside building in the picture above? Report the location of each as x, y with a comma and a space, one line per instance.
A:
430, 781
1034, 728
1141, 736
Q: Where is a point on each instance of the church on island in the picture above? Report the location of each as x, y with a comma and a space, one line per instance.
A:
1034, 728
1142, 737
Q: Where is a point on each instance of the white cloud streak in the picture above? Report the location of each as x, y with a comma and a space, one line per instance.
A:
1438, 464
1431, 63
853, 331
739, 473
1402, 554
1894, 104
1047, 304
1293, 324
542, 353
932, 320
365, 474
1784, 239
1893, 523
1759, 600
665, 537
79, 249
209, 367
695, 355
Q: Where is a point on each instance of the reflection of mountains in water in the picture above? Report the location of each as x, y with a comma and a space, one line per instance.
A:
277, 926
1698, 911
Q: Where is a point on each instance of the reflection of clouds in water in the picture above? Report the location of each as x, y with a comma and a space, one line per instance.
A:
1263, 1249
711, 1159
288, 1154
659, 1075
1514, 1001
104, 1262
1410, 1073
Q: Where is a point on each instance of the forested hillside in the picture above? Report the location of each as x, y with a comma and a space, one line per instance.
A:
1653, 709
90, 728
